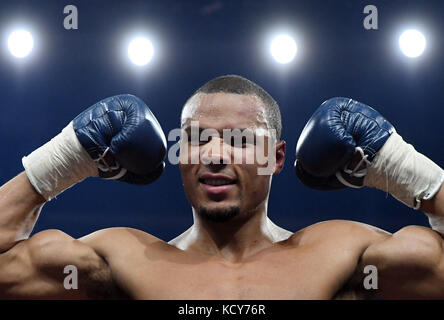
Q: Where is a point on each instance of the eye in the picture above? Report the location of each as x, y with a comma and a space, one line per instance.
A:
203, 141
238, 141
199, 141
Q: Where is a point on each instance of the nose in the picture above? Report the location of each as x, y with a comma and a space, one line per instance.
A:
215, 154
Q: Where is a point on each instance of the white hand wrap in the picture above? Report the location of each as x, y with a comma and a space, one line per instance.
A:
437, 223
404, 173
59, 164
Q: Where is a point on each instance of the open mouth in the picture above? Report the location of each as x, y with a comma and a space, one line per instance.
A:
217, 185
217, 182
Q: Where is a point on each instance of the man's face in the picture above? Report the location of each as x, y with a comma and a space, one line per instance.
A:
220, 176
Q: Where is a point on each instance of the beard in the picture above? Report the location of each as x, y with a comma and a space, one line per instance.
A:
218, 215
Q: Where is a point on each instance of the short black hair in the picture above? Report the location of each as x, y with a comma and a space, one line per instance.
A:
239, 85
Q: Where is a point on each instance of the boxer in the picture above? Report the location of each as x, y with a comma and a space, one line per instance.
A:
232, 250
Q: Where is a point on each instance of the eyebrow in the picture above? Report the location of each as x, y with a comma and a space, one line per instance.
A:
188, 129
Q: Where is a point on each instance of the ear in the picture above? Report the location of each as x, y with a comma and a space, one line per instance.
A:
280, 156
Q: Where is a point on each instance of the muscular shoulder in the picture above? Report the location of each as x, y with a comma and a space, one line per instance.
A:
53, 247
340, 245
340, 231
132, 255
120, 241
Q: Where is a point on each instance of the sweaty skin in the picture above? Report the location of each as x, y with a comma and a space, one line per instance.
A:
246, 257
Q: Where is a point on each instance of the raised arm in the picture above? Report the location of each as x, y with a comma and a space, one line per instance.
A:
349, 144
410, 263
20, 206
117, 138
33, 268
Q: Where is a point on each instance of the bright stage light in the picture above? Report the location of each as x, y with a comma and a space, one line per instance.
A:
283, 48
412, 43
140, 51
20, 43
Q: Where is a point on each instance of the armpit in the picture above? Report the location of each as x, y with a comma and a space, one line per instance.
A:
100, 284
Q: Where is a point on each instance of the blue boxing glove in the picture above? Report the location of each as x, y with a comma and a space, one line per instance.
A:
339, 128
117, 138
342, 130
124, 138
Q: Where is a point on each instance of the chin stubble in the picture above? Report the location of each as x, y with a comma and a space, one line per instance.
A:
218, 215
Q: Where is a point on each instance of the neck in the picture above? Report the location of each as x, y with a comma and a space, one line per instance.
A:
232, 241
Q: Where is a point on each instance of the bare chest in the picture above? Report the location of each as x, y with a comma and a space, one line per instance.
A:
275, 276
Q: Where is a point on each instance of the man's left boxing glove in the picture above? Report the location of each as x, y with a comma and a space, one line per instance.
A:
339, 129
117, 138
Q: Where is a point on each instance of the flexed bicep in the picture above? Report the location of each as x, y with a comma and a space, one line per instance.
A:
53, 265
409, 265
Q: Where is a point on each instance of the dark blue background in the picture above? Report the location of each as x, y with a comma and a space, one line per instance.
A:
196, 41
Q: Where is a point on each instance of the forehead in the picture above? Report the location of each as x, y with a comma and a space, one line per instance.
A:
225, 110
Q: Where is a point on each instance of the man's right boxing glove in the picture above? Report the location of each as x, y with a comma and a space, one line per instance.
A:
117, 138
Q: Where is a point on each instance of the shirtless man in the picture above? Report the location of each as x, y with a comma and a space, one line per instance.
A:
233, 250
